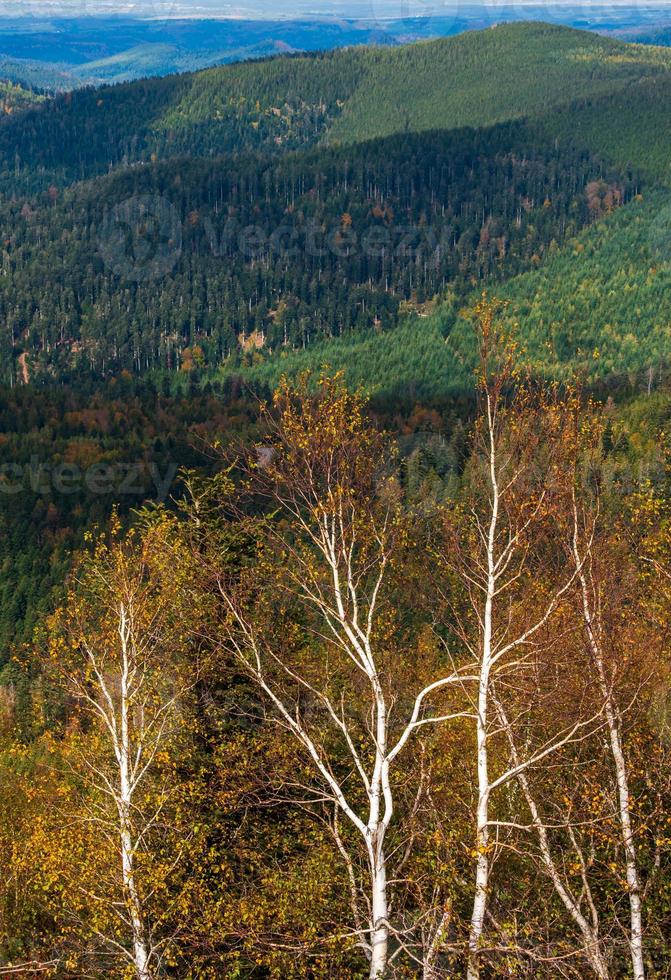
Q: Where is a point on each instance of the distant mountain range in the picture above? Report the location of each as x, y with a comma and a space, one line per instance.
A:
61, 54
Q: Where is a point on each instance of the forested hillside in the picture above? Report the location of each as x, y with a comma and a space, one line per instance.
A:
36, 75
278, 253
481, 78
599, 305
629, 128
293, 250
657, 33
340, 97
14, 97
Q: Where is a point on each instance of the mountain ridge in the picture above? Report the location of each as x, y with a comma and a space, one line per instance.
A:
292, 102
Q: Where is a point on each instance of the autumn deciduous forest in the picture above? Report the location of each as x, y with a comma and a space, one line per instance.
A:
309, 723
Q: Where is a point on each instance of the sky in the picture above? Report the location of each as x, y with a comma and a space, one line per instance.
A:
269, 8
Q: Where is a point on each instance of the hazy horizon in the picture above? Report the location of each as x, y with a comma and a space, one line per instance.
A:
272, 10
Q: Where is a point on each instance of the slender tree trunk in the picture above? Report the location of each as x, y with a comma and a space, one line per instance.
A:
482, 816
624, 798
481, 838
379, 911
633, 882
125, 805
589, 930
140, 947
379, 817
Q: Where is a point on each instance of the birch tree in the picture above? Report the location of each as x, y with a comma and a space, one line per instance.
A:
565, 662
596, 595
317, 623
581, 904
604, 629
117, 644
499, 549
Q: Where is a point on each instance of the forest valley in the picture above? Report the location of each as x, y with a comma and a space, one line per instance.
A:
306, 721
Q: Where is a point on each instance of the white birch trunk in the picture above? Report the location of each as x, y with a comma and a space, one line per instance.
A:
635, 937
633, 882
482, 815
482, 834
125, 804
140, 948
379, 933
589, 930
380, 813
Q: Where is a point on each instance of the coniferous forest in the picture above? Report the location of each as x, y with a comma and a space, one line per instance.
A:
335, 516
